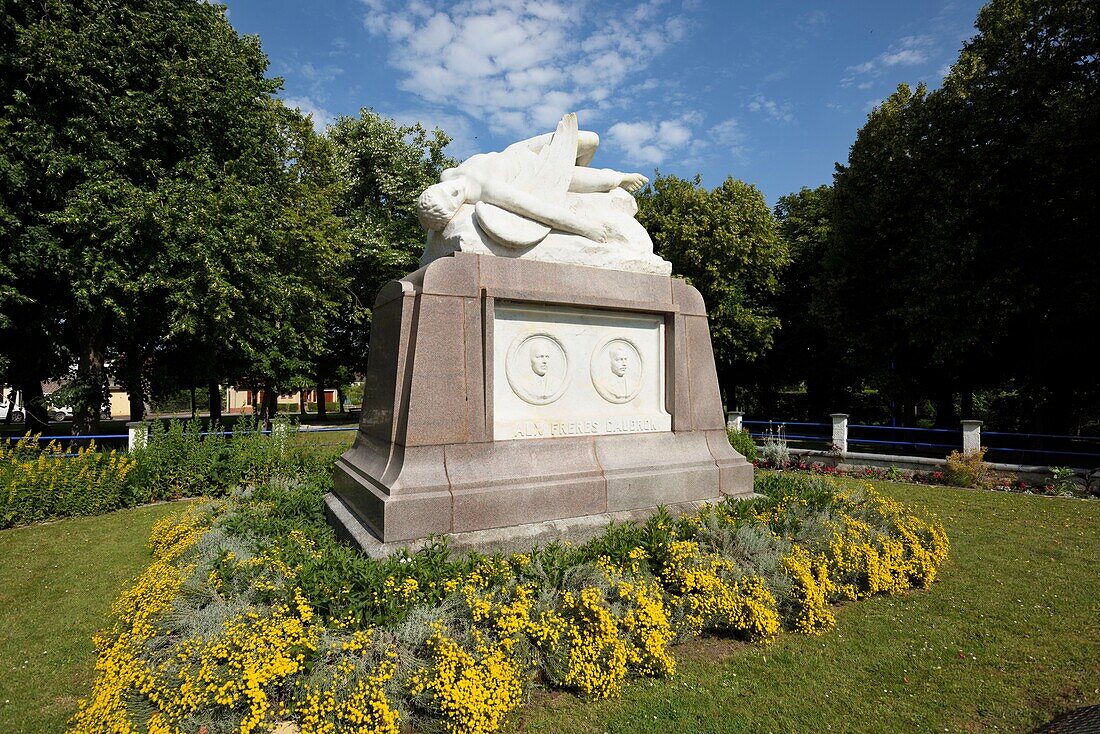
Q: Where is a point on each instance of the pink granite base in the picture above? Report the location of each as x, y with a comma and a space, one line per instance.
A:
424, 460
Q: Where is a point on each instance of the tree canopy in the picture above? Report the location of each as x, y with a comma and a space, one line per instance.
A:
153, 201
959, 260
726, 243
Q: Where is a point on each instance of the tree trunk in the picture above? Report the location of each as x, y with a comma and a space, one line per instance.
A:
91, 378
269, 406
134, 389
340, 397
35, 418
215, 391
322, 408
194, 408
302, 401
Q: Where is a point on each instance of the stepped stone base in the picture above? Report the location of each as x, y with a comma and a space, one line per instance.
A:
447, 445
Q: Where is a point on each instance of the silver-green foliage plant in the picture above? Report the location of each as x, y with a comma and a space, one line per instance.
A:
776, 451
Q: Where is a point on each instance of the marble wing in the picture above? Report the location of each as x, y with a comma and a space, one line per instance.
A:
548, 179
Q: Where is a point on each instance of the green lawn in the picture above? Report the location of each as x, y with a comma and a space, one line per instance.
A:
1008, 636
56, 583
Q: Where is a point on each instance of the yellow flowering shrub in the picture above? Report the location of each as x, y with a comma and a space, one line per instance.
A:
348, 702
121, 671
236, 667
712, 596
44, 482
470, 691
810, 576
645, 626
593, 654
510, 612
458, 641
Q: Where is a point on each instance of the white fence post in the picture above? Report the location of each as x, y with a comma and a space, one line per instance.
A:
137, 434
972, 436
734, 420
840, 431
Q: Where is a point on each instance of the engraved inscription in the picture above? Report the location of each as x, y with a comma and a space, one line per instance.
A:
618, 371
588, 427
537, 368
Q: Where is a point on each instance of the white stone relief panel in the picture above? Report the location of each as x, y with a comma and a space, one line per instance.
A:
576, 372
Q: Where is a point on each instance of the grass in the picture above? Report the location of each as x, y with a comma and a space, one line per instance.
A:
1008, 637
57, 581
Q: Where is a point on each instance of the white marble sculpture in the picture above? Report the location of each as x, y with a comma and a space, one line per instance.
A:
538, 199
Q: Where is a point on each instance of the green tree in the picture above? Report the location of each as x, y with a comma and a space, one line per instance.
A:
1023, 106
726, 243
804, 340
165, 215
255, 313
958, 260
385, 166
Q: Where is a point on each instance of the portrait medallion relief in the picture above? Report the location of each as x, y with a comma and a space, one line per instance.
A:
536, 368
617, 371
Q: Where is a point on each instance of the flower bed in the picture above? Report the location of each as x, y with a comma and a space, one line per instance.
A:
251, 616
1061, 484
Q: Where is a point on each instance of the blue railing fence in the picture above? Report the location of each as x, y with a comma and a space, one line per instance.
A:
139, 432
1039, 449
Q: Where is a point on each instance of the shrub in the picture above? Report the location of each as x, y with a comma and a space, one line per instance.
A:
968, 470
776, 452
181, 459
44, 483
253, 613
743, 443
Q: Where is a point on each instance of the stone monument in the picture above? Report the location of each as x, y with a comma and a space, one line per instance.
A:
541, 370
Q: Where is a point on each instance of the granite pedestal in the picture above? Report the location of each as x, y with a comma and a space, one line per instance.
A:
460, 434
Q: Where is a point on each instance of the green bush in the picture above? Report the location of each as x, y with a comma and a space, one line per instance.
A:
180, 459
743, 443
968, 470
44, 483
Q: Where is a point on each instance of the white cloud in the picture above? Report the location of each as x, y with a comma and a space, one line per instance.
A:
518, 65
653, 142
773, 110
730, 134
316, 77
463, 141
908, 51
321, 117
812, 19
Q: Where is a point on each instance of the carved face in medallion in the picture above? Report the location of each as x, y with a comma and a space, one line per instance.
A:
540, 356
536, 368
620, 359
617, 370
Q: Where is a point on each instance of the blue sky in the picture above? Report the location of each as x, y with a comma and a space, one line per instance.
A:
771, 93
